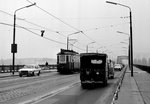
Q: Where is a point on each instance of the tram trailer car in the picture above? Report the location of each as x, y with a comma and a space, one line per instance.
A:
68, 61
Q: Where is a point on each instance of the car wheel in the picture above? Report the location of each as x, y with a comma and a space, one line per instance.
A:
105, 82
38, 73
28, 74
33, 74
83, 85
20, 75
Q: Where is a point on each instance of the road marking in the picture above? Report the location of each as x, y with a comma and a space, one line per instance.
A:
50, 94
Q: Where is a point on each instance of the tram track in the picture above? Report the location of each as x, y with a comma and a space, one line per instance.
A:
31, 86
26, 80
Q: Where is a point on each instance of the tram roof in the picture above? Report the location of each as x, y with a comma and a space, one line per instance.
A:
64, 51
92, 54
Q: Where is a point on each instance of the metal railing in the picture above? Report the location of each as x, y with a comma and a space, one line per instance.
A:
9, 68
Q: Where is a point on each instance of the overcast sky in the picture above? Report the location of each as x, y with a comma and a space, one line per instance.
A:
98, 20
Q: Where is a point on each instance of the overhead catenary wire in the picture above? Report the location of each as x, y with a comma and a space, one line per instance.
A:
33, 24
40, 29
32, 32
83, 32
19, 26
6, 24
44, 37
49, 38
61, 20
45, 28
28, 29
109, 26
93, 18
38, 26
55, 17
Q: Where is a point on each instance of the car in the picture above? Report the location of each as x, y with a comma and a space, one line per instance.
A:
118, 67
30, 70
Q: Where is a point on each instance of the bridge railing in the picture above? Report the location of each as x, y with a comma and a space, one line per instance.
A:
8, 68
143, 67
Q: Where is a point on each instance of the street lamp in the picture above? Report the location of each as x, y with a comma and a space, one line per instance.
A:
14, 45
70, 35
87, 46
131, 40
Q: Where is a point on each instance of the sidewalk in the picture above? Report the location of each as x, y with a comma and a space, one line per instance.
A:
130, 93
3, 75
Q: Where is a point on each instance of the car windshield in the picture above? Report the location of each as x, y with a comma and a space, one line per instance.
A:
118, 65
29, 66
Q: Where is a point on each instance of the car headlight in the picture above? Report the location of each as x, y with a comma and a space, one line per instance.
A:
97, 73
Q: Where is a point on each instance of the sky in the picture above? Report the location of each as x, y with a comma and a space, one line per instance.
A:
98, 21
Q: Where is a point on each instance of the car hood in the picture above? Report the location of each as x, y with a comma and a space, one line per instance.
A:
26, 69
117, 67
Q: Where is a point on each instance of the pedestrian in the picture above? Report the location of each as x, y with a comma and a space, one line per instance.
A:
46, 64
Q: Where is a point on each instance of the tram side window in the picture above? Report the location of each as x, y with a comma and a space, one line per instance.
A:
66, 58
62, 58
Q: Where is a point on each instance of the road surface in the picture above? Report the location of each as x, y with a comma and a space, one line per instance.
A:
53, 88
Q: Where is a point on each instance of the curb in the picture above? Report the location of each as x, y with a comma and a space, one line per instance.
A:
119, 83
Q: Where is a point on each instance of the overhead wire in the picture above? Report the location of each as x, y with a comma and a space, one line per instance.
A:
55, 17
56, 31
112, 25
34, 24
60, 20
45, 37
6, 24
32, 32
45, 28
28, 29
50, 29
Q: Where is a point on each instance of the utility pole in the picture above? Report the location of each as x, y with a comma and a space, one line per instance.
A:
14, 45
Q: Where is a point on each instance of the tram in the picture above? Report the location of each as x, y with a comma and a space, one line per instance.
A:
68, 61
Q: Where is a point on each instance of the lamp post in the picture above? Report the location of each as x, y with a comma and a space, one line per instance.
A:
68, 38
131, 40
87, 46
14, 45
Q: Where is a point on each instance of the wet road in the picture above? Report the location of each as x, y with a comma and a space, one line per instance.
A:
75, 94
53, 88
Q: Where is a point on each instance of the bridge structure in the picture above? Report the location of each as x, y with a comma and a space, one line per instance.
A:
122, 59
